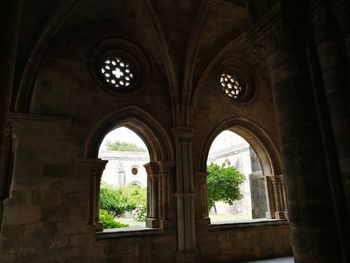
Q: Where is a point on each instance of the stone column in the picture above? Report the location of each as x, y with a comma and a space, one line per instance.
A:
6, 168
204, 195
341, 10
165, 194
312, 221
93, 168
9, 27
186, 240
335, 82
152, 170
284, 196
259, 189
278, 197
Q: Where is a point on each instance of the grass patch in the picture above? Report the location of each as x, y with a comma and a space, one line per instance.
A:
131, 222
228, 217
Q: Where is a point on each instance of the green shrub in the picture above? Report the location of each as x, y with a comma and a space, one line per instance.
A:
108, 220
114, 201
118, 201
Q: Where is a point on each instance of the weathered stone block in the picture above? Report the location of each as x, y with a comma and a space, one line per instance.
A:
17, 198
57, 170
54, 213
59, 241
19, 214
81, 240
67, 228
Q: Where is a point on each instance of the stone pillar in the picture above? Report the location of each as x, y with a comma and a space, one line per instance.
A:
9, 27
258, 186
186, 240
6, 168
335, 81
165, 194
152, 170
204, 195
312, 221
341, 10
284, 196
279, 212
93, 168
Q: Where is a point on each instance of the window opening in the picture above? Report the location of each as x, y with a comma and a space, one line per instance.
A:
231, 86
236, 186
135, 170
123, 196
117, 72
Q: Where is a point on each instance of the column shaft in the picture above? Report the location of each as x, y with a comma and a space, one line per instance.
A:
310, 207
334, 82
9, 28
185, 195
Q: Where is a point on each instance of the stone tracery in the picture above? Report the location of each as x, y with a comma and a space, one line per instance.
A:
117, 72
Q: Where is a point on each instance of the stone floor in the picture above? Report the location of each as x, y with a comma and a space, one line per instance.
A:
276, 260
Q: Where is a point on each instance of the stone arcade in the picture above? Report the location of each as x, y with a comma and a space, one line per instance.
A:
177, 73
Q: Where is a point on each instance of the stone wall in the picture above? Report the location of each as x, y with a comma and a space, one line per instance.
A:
145, 248
47, 217
239, 242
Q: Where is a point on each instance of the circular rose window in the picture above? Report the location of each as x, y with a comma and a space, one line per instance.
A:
117, 73
231, 86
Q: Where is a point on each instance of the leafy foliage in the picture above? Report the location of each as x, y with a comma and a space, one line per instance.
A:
117, 201
108, 220
223, 184
114, 200
123, 147
141, 213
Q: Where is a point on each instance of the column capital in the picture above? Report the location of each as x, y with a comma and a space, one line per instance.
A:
165, 166
151, 168
94, 165
265, 37
278, 33
183, 134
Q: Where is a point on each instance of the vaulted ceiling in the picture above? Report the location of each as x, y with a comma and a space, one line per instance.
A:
182, 36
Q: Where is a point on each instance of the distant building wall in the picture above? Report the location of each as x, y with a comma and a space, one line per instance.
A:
237, 155
124, 168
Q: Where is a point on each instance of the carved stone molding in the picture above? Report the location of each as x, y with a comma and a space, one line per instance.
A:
276, 39
183, 134
279, 197
93, 168
166, 172
152, 170
204, 194
185, 194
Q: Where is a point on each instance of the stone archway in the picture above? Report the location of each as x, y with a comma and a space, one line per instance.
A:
269, 161
158, 169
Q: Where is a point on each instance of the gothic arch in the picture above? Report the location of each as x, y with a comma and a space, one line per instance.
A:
255, 136
142, 123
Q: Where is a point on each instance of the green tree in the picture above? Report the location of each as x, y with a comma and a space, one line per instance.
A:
223, 184
123, 147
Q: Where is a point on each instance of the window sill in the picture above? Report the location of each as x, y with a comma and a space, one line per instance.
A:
127, 232
247, 224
